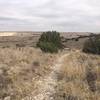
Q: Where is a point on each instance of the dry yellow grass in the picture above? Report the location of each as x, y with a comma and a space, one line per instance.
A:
73, 83
20, 68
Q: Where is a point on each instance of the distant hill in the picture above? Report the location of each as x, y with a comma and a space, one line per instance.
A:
64, 34
22, 39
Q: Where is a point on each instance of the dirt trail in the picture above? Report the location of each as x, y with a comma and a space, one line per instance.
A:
48, 84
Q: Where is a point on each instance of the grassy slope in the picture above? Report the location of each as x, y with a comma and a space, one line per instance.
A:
72, 81
20, 69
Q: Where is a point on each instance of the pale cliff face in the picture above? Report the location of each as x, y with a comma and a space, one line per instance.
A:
7, 34
19, 33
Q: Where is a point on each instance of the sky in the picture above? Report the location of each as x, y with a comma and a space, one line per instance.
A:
44, 15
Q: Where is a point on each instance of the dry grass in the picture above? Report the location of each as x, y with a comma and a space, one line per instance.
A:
20, 68
73, 84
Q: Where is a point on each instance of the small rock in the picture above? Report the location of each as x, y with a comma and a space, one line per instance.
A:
7, 98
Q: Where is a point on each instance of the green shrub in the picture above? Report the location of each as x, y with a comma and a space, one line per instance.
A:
50, 42
48, 47
92, 45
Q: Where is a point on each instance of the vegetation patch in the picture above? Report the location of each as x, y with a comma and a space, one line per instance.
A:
50, 42
92, 45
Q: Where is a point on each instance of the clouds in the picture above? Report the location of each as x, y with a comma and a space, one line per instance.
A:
40, 15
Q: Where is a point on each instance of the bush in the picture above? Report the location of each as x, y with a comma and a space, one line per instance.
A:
50, 42
91, 79
92, 45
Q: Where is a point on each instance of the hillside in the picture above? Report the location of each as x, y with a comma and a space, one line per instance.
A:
79, 78
20, 69
27, 73
69, 80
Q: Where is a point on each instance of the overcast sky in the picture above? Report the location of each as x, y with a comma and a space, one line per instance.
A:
43, 15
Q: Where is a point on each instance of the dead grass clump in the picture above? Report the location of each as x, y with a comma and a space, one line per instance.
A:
91, 78
5, 82
59, 76
36, 63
